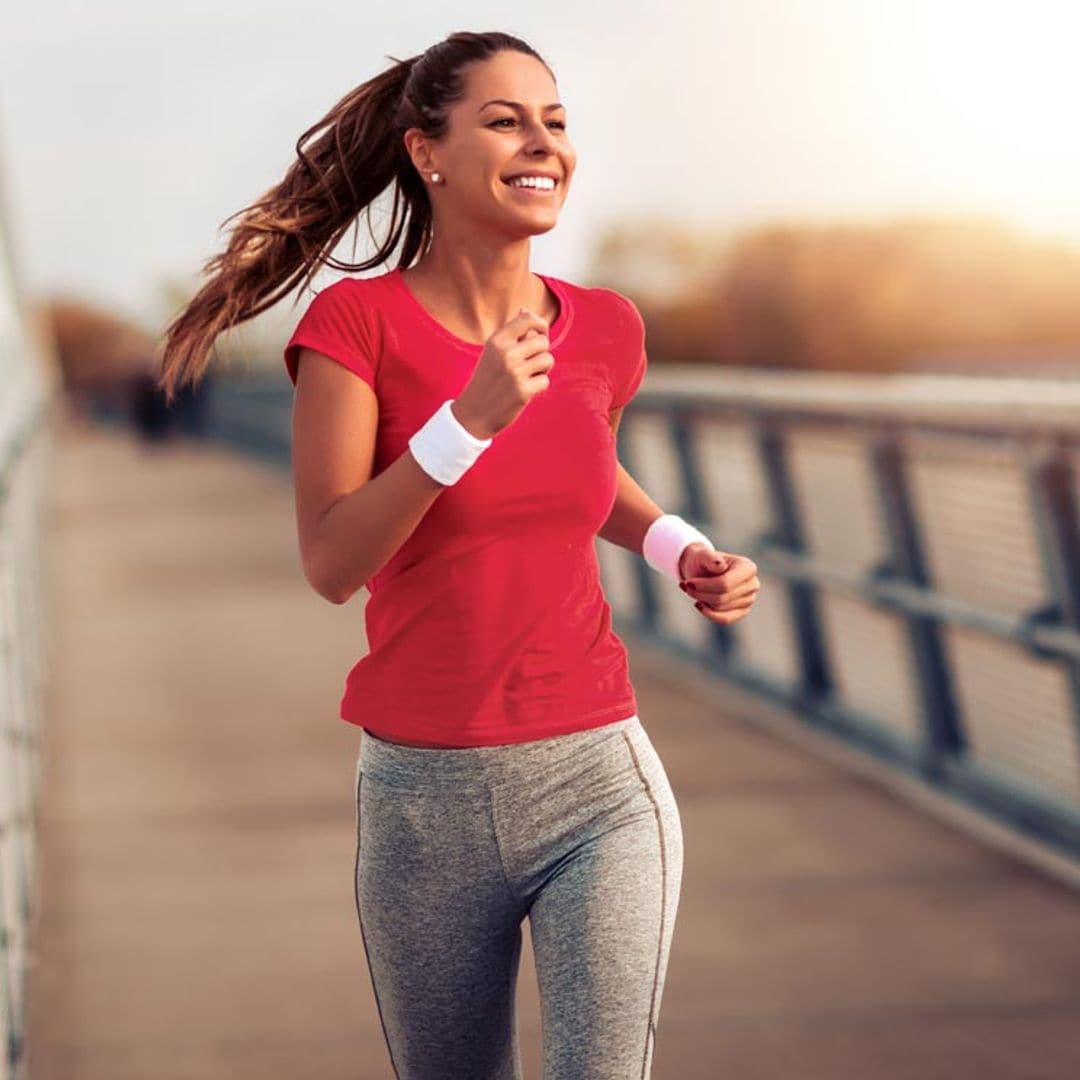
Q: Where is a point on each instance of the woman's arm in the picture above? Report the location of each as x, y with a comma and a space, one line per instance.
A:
350, 524
631, 515
725, 585
633, 511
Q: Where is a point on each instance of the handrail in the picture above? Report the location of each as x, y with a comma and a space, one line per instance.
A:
918, 543
25, 395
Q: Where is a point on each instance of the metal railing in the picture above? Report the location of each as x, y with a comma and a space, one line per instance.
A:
24, 454
917, 544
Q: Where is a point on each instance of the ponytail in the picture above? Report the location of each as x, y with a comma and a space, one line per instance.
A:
343, 163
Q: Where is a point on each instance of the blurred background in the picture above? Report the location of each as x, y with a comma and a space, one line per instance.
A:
829, 185
853, 230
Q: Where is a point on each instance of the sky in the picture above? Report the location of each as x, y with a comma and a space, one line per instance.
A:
129, 131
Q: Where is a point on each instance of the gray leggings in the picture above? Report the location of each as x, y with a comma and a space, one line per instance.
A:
456, 846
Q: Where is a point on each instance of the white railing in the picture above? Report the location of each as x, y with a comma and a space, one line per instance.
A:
24, 455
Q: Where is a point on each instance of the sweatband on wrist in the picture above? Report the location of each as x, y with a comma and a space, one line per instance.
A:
666, 539
444, 448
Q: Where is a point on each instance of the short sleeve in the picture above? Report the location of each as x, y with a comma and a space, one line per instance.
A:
333, 324
633, 360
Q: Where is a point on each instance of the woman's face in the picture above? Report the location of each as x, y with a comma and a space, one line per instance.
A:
509, 123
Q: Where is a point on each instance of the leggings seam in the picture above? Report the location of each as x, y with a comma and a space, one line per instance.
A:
651, 1027
363, 938
498, 847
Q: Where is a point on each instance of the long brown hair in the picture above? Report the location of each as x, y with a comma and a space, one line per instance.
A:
344, 162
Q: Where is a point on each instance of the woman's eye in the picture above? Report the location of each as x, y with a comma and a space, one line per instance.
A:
561, 124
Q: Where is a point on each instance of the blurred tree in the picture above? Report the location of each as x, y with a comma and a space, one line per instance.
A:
960, 293
96, 348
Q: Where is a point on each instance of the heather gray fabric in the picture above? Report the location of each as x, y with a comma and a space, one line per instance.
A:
455, 847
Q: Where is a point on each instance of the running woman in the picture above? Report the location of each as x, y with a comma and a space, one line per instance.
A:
454, 453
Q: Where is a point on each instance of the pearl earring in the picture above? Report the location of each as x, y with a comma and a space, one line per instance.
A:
435, 177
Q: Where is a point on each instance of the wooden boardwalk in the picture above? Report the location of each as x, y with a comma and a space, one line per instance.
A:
195, 917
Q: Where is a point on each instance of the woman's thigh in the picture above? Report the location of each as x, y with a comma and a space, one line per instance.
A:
441, 931
601, 862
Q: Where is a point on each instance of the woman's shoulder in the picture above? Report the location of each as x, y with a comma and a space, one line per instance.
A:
598, 295
339, 321
351, 289
606, 303
350, 300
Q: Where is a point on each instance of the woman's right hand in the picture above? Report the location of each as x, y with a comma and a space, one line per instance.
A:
511, 371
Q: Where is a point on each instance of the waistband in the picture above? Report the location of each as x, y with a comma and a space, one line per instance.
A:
418, 767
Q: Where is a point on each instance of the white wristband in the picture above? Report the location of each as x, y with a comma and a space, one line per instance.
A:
666, 539
444, 448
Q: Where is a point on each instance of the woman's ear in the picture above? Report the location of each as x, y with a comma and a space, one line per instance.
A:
419, 150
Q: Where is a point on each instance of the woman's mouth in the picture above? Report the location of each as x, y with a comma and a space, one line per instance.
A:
535, 187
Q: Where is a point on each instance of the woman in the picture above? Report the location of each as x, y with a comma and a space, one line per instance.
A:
454, 452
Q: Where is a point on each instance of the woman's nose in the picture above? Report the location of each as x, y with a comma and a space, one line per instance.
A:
543, 136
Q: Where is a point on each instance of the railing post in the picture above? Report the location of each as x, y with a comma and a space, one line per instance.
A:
944, 735
1051, 485
786, 531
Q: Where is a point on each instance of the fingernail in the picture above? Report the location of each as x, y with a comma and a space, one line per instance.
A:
698, 604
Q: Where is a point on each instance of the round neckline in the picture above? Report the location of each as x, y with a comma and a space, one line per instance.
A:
556, 332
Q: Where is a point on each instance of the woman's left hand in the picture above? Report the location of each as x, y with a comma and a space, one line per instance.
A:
723, 585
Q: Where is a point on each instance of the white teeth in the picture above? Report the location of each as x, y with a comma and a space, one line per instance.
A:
544, 182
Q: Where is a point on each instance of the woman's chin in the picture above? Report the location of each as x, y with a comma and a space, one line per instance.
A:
537, 222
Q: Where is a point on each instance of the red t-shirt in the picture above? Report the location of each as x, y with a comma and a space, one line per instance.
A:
489, 624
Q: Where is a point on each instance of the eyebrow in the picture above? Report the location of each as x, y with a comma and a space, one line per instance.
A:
518, 105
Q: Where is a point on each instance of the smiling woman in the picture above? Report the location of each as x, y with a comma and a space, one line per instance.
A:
454, 453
